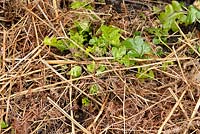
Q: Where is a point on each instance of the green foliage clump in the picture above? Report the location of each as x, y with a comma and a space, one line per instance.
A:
131, 48
106, 42
110, 36
174, 15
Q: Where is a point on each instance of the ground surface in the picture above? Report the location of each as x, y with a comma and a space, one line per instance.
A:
37, 96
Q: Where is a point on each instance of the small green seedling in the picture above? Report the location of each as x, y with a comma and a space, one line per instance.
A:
94, 89
160, 34
193, 15
4, 125
85, 101
100, 69
173, 15
79, 36
91, 67
126, 60
75, 71
198, 49
131, 48
81, 4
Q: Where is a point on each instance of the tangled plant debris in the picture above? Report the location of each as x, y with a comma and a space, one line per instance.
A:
83, 67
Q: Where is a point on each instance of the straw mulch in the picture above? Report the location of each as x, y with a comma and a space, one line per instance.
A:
37, 96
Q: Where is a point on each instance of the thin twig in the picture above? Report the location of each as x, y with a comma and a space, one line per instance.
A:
68, 116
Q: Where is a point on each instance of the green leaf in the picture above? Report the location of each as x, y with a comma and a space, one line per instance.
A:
48, 40
98, 46
192, 15
159, 51
111, 35
118, 52
100, 42
126, 61
83, 26
4, 125
137, 47
176, 6
168, 11
198, 49
156, 41
91, 67
85, 101
198, 15
97, 51
173, 14
59, 44
80, 4
75, 71
94, 89
183, 19
76, 37
100, 69
137, 33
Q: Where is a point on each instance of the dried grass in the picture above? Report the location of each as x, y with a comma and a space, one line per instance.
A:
36, 95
